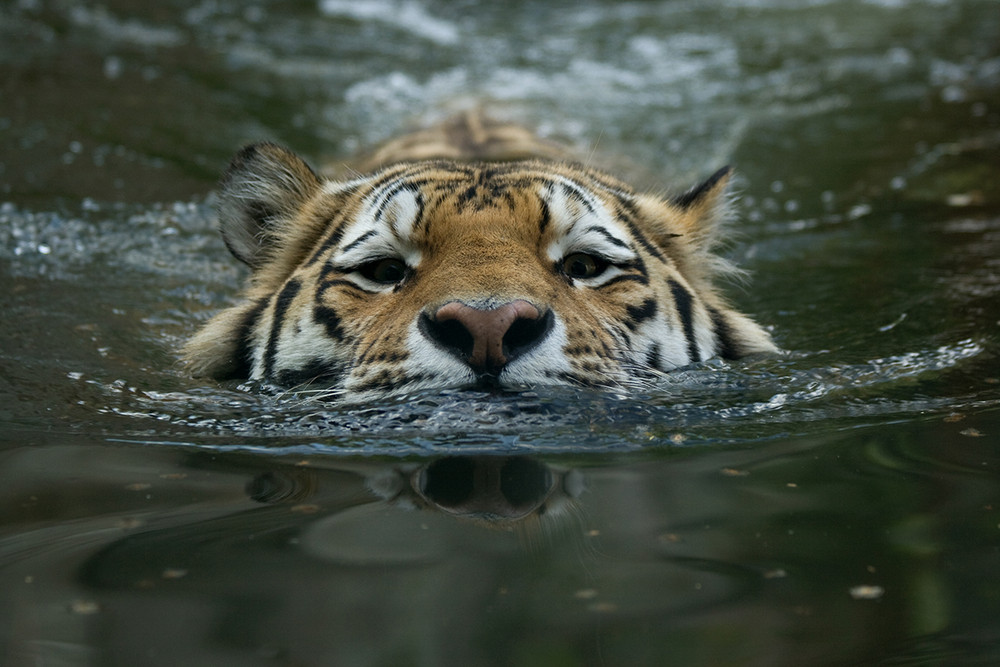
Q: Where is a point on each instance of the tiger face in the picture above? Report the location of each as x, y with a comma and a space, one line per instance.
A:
442, 273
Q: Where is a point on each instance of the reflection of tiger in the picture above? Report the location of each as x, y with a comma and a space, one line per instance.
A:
443, 270
498, 491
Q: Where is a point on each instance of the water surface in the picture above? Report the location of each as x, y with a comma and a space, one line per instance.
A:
836, 504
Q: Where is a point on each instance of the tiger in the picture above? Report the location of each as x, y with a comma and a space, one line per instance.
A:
469, 254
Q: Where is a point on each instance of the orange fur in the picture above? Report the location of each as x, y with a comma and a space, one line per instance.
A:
349, 277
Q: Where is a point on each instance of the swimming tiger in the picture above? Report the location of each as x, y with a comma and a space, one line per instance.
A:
468, 254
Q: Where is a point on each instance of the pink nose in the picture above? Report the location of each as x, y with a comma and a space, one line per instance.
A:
487, 340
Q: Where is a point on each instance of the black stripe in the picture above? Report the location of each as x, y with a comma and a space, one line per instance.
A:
546, 216
684, 303
573, 378
436, 199
639, 314
629, 220
336, 221
418, 219
386, 196
640, 266
330, 320
317, 370
363, 356
398, 173
382, 380
577, 195
632, 277
390, 195
330, 241
387, 380
509, 200
243, 357
724, 335
607, 235
325, 272
361, 239
391, 357
467, 196
281, 303
487, 172
653, 359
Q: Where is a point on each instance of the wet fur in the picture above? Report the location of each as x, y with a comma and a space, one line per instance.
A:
481, 212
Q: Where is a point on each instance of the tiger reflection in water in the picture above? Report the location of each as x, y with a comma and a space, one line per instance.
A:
496, 491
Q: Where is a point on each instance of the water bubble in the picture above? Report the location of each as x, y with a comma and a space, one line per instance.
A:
899, 56
113, 67
953, 94
44, 249
866, 592
859, 211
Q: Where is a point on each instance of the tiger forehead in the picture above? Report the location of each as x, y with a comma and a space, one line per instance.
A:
403, 200
474, 187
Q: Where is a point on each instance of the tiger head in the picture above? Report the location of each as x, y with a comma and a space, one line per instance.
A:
440, 273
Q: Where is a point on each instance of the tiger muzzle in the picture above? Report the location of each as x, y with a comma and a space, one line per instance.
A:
487, 340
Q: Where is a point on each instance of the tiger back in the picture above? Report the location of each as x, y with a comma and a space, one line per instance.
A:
469, 254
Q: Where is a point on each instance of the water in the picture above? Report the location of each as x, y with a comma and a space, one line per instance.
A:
837, 504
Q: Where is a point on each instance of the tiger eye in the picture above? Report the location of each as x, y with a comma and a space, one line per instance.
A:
580, 265
386, 271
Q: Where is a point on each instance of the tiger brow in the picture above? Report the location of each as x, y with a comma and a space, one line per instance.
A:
576, 193
614, 240
358, 241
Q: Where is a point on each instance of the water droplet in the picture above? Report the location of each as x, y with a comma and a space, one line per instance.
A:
953, 94
113, 67
867, 592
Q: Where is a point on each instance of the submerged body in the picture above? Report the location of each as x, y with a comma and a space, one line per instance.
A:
474, 256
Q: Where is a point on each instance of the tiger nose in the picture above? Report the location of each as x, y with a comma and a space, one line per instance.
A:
487, 340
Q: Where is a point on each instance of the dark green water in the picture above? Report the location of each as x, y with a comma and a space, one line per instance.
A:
839, 504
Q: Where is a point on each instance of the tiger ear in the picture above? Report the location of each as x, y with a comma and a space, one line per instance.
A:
697, 215
706, 192
264, 186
